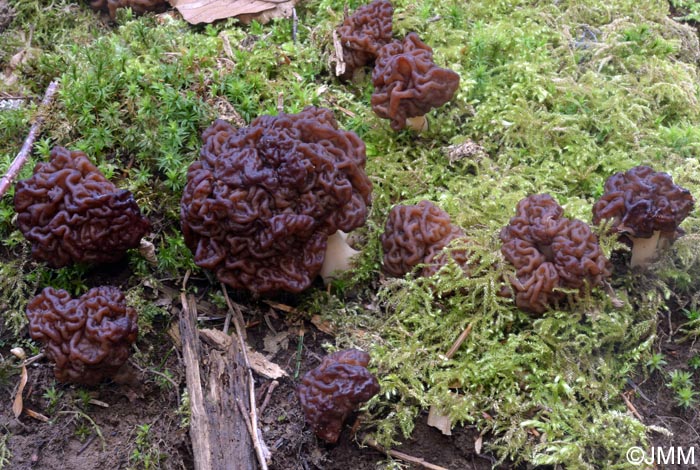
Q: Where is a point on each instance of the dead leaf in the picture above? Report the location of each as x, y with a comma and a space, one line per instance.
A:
148, 250
263, 366
208, 11
272, 343
478, 443
323, 325
18, 404
440, 421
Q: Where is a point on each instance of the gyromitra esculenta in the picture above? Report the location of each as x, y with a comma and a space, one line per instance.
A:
549, 252
88, 338
408, 84
262, 201
363, 33
417, 234
333, 390
138, 6
646, 209
71, 213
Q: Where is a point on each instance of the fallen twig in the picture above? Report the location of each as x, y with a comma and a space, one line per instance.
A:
271, 388
87, 444
26, 149
403, 456
631, 407
240, 332
458, 342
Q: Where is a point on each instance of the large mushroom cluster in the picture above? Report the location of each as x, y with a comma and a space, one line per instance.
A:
261, 202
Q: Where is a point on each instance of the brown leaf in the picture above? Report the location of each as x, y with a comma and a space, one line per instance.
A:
18, 404
263, 366
208, 11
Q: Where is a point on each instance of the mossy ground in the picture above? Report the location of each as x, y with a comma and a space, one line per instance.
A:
559, 95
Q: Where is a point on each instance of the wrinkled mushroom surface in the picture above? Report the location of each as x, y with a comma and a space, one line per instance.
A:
138, 6
641, 201
333, 390
88, 338
71, 213
364, 32
416, 234
550, 251
407, 83
262, 200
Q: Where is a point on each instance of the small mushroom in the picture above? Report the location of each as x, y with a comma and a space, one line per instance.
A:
71, 213
646, 209
408, 84
89, 338
550, 252
333, 390
363, 33
417, 234
262, 201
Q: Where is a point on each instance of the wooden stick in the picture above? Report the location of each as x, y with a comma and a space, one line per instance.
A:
631, 407
400, 455
26, 149
459, 341
199, 423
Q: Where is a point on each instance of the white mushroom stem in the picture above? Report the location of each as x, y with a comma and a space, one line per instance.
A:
338, 256
417, 123
644, 250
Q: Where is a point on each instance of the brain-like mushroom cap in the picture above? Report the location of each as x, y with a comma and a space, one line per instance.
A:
550, 251
416, 234
88, 338
407, 83
642, 201
71, 213
364, 32
138, 6
261, 201
334, 389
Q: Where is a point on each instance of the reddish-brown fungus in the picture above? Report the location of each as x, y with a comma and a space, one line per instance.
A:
550, 252
71, 213
646, 209
407, 83
261, 202
333, 390
88, 338
138, 6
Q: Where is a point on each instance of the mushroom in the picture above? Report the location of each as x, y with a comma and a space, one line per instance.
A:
646, 209
408, 84
362, 35
138, 6
550, 253
261, 202
417, 234
71, 213
333, 390
88, 338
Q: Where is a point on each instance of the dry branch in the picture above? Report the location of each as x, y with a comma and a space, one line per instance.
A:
26, 149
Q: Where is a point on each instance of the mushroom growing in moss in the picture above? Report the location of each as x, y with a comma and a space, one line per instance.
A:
89, 338
71, 213
408, 84
646, 209
550, 252
262, 201
417, 234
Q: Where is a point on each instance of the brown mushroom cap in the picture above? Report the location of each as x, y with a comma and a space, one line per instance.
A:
138, 6
71, 213
407, 83
550, 251
333, 390
261, 201
642, 201
364, 32
416, 234
88, 338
